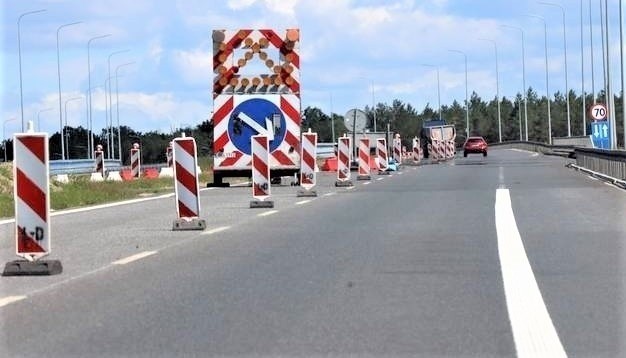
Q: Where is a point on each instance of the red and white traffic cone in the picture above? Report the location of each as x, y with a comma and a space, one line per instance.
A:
31, 187
307, 164
261, 185
185, 158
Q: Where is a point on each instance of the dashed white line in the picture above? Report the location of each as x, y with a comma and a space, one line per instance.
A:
268, 213
533, 331
592, 178
379, 179
367, 183
350, 188
133, 258
330, 194
303, 202
216, 230
400, 173
10, 299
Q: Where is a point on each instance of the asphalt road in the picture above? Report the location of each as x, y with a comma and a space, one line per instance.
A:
420, 263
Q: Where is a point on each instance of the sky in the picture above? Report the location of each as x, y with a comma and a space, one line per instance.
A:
352, 53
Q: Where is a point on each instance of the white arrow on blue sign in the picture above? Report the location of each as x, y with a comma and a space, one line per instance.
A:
600, 135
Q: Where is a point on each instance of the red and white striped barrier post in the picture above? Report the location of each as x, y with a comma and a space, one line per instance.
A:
364, 159
344, 148
168, 170
185, 158
31, 188
381, 155
261, 186
397, 149
433, 152
308, 156
416, 150
135, 160
441, 149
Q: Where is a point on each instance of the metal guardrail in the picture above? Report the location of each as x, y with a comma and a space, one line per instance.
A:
81, 166
605, 163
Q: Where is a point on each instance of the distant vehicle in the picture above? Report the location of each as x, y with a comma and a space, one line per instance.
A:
475, 145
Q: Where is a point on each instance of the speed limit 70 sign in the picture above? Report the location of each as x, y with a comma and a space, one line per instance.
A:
598, 112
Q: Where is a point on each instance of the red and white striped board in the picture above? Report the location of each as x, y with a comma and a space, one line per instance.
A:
98, 156
135, 161
307, 160
381, 154
32, 195
441, 150
186, 187
397, 149
364, 159
450, 149
261, 186
416, 150
169, 155
344, 149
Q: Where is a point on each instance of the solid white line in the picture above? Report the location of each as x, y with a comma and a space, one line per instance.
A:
10, 299
592, 178
216, 230
268, 213
533, 331
133, 258
303, 202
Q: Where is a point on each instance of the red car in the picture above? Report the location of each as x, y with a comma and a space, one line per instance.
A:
475, 145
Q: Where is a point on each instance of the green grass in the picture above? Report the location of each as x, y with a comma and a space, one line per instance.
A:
80, 191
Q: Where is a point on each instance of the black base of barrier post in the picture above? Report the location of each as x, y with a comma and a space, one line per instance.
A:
342, 184
32, 268
384, 172
364, 177
306, 193
261, 204
184, 224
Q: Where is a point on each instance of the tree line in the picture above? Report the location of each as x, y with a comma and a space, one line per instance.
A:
398, 116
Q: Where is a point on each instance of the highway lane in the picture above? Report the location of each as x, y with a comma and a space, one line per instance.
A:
407, 265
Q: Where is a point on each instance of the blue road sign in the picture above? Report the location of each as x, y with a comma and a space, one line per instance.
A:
601, 134
256, 116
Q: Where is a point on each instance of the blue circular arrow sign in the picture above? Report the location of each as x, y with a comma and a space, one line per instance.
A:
256, 116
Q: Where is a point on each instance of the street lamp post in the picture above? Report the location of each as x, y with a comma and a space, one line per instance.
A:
438, 88
117, 107
545, 33
110, 99
89, 121
59, 75
495, 46
19, 55
39, 119
569, 128
467, 131
4, 136
62, 133
523, 77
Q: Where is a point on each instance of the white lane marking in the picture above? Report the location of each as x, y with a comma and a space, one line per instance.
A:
592, 178
10, 299
133, 258
268, 213
216, 230
303, 202
521, 150
350, 188
379, 179
400, 173
533, 331
330, 194
367, 183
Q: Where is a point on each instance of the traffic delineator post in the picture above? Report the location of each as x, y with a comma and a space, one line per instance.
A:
364, 159
344, 148
185, 159
397, 148
261, 185
31, 187
416, 150
168, 170
135, 161
381, 155
307, 164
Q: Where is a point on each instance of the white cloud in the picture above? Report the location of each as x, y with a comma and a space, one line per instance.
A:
195, 66
240, 4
